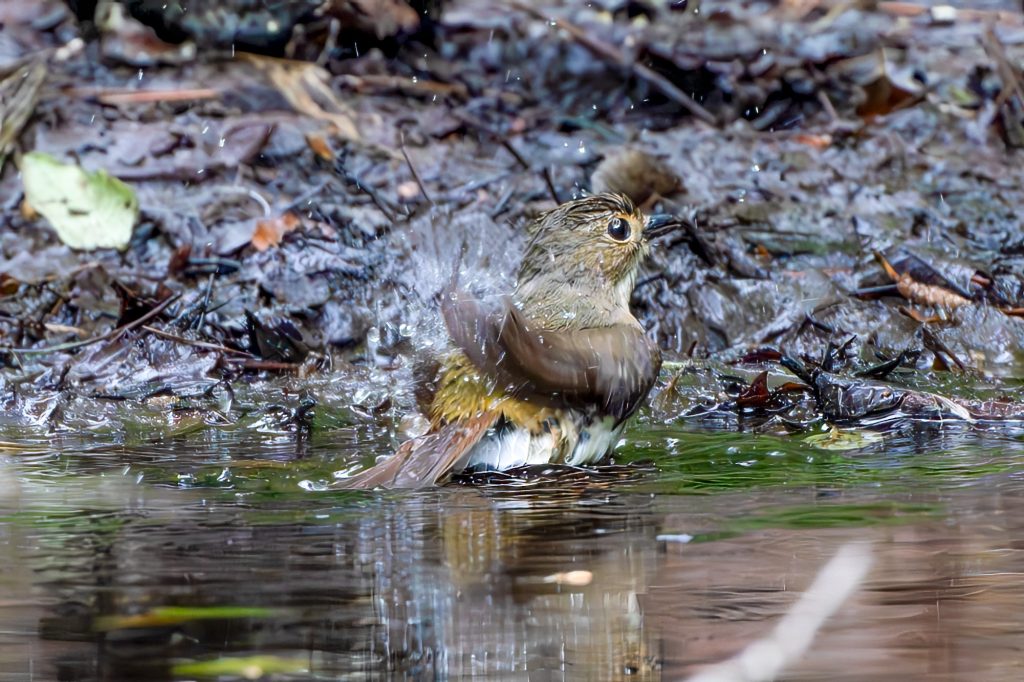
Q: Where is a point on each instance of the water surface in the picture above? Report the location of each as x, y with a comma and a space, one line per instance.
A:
181, 556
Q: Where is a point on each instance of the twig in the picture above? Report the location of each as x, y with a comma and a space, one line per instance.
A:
109, 336
206, 301
404, 85
305, 196
412, 169
546, 173
515, 154
114, 96
826, 104
375, 197
615, 56
1007, 71
248, 363
504, 142
912, 9
197, 344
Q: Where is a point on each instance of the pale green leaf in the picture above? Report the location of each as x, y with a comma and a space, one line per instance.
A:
248, 667
837, 439
88, 210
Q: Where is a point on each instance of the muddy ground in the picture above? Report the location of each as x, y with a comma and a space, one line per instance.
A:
298, 218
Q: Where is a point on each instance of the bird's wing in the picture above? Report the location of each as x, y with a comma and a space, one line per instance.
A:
614, 366
425, 461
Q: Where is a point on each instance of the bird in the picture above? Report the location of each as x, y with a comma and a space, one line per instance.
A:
546, 374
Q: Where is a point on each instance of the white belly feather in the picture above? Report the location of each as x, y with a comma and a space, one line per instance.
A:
587, 440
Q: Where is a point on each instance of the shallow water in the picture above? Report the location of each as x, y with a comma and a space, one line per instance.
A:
162, 558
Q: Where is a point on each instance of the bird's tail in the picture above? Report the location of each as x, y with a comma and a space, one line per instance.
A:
426, 461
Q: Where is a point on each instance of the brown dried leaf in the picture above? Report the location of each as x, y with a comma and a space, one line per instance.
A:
19, 92
320, 146
8, 285
755, 395
179, 259
305, 86
929, 294
816, 141
270, 231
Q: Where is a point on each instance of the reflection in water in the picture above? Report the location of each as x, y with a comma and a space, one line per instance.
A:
580, 581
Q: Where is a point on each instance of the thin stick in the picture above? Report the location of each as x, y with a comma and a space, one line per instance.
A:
375, 197
198, 344
206, 301
546, 173
111, 335
272, 365
114, 96
412, 168
1007, 71
612, 54
504, 142
297, 202
515, 154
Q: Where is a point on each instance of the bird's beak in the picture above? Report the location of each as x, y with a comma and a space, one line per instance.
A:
660, 224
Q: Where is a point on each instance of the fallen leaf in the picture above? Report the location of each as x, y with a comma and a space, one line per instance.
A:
88, 210
755, 395
306, 87
127, 40
813, 140
8, 285
247, 667
270, 231
19, 92
837, 439
320, 146
163, 616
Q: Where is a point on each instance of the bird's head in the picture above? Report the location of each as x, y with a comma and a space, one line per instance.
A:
591, 248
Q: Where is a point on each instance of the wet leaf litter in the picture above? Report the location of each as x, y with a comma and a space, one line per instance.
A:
332, 267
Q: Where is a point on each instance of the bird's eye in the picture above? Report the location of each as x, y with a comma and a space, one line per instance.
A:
618, 229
